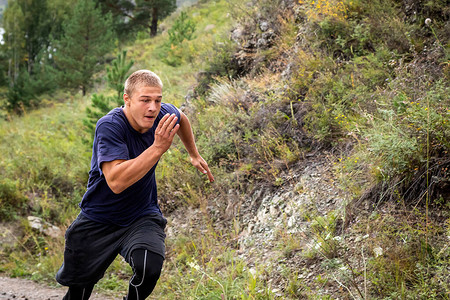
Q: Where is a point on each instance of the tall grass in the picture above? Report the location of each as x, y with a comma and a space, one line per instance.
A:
43, 155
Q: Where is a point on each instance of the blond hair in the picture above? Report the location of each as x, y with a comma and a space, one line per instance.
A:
141, 78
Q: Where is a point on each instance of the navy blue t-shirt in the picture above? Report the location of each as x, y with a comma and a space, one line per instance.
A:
114, 139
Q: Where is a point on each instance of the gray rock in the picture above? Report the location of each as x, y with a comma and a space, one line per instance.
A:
264, 26
44, 227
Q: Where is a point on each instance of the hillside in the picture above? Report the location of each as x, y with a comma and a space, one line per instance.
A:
325, 124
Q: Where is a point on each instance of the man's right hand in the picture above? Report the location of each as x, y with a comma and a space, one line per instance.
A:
164, 133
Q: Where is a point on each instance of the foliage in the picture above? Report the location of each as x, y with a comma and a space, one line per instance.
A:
37, 29
11, 199
29, 26
174, 51
406, 264
101, 104
42, 155
325, 9
20, 95
130, 16
214, 269
87, 38
157, 9
27, 30
14, 38
25, 91
118, 73
182, 29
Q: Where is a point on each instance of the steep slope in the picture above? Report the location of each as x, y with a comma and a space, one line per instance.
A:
325, 129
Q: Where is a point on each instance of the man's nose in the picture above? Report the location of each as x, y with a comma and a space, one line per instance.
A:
152, 106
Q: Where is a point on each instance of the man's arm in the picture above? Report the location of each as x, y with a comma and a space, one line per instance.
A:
187, 137
121, 174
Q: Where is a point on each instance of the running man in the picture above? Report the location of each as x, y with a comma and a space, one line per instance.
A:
119, 211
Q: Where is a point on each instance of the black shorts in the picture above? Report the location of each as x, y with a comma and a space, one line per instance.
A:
91, 246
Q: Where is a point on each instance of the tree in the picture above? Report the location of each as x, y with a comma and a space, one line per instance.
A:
182, 29
101, 105
14, 37
122, 14
87, 38
149, 12
27, 38
37, 27
139, 14
58, 11
118, 73
27, 30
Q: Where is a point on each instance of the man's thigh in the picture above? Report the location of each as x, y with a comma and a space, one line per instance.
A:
90, 248
146, 233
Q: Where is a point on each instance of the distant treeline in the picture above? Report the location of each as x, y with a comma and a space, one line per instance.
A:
52, 44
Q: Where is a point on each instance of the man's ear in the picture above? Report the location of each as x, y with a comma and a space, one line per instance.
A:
126, 99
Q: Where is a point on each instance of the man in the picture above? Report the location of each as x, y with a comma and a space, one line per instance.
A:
119, 211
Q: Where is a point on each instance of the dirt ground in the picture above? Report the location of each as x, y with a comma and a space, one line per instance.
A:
15, 288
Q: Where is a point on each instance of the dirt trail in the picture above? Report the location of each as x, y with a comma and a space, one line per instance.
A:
15, 288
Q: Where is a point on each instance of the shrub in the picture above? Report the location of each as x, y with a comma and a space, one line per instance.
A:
20, 94
101, 105
175, 50
12, 201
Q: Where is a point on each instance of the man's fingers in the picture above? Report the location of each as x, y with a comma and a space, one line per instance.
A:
163, 120
210, 176
203, 167
172, 124
167, 123
174, 131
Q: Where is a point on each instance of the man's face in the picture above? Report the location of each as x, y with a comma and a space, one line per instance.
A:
142, 108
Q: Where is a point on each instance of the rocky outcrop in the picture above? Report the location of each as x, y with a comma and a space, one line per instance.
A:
46, 228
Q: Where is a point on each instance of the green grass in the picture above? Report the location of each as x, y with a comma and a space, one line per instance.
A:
44, 156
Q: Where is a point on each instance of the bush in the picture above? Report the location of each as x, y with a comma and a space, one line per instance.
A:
24, 92
12, 201
101, 105
175, 50
20, 94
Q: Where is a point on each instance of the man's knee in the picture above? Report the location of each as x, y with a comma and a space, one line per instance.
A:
146, 266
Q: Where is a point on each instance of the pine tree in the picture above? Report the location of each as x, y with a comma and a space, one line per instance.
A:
132, 15
151, 11
101, 104
118, 73
37, 26
87, 38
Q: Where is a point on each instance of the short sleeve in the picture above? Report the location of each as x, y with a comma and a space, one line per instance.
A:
111, 143
167, 108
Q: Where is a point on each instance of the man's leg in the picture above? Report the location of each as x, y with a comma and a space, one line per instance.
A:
147, 267
89, 250
78, 293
